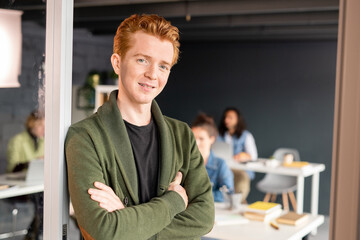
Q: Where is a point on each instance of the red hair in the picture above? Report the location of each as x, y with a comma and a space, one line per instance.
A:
150, 24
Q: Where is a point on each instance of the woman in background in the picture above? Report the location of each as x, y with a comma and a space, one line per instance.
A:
27, 145
22, 148
232, 130
220, 175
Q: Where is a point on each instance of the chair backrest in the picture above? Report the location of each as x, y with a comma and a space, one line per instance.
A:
280, 153
277, 183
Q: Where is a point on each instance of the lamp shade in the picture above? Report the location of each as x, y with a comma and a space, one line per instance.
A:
10, 47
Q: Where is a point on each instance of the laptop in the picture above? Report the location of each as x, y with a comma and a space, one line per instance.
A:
223, 150
34, 173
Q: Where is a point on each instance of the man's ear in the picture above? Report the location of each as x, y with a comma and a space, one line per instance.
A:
115, 62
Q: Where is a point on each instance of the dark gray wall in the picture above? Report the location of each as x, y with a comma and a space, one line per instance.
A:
285, 91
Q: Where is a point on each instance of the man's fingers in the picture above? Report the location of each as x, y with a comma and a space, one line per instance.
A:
178, 178
102, 186
106, 188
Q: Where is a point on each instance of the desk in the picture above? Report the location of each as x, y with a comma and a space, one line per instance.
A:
300, 173
256, 230
21, 188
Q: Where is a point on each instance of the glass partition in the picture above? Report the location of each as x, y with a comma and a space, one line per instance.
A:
22, 119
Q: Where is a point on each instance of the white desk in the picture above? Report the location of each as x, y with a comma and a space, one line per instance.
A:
22, 187
300, 173
256, 230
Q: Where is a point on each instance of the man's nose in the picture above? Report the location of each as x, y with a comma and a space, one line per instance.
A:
151, 72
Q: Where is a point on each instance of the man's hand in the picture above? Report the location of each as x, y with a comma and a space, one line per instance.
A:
106, 197
242, 157
175, 186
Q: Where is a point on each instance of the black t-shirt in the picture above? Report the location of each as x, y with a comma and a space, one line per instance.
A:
144, 142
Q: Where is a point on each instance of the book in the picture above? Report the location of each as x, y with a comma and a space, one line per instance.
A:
262, 207
296, 164
4, 186
292, 218
263, 217
229, 219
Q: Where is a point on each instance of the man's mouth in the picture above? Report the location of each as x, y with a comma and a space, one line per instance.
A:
145, 85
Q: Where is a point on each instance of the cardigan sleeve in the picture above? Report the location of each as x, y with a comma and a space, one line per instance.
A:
198, 218
135, 222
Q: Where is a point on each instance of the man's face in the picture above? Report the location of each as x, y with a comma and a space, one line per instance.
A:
145, 68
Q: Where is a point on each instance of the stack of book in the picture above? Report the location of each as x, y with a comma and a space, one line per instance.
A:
263, 211
292, 218
296, 164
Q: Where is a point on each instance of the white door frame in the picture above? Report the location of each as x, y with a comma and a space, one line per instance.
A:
58, 84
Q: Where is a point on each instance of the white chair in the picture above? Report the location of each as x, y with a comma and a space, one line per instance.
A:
274, 184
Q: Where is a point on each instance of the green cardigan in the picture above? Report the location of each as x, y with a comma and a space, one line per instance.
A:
21, 149
98, 149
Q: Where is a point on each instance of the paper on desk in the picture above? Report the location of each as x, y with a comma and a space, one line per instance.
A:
6, 187
254, 164
230, 219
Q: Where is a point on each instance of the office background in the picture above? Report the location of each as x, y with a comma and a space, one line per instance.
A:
285, 89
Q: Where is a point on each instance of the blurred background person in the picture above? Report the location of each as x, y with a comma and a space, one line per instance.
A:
22, 148
220, 175
27, 145
232, 130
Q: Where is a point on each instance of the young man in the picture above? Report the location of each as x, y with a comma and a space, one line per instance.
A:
132, 172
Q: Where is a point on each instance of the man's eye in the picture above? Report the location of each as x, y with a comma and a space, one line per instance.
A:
164, 67
141, 60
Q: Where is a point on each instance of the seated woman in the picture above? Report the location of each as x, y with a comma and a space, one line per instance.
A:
232, 130
22, 148
220, 175
27, 145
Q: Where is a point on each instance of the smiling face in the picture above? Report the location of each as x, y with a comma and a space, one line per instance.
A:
144, 70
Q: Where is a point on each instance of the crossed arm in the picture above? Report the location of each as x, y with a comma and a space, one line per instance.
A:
108, 200
167, 215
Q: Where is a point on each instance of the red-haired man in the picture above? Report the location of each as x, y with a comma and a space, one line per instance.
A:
134, 173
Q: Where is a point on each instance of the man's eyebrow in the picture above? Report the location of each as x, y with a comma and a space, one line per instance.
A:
165, 63
148, 57
141, 55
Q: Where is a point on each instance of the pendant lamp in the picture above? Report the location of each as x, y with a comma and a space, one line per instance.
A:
10, 48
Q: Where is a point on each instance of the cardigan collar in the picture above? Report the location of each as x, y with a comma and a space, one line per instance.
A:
115, 127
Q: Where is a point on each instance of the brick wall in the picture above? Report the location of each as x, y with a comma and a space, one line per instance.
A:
90, 53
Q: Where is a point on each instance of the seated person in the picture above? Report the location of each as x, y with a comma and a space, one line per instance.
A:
220, 175
27, 145
22, 148
232, 130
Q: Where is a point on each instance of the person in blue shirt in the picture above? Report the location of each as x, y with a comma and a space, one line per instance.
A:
232, 130
220, 175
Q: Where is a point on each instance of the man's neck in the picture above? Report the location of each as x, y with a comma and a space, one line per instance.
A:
136, 114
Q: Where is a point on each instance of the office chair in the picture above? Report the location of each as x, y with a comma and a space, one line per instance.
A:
274, 184
13, 210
